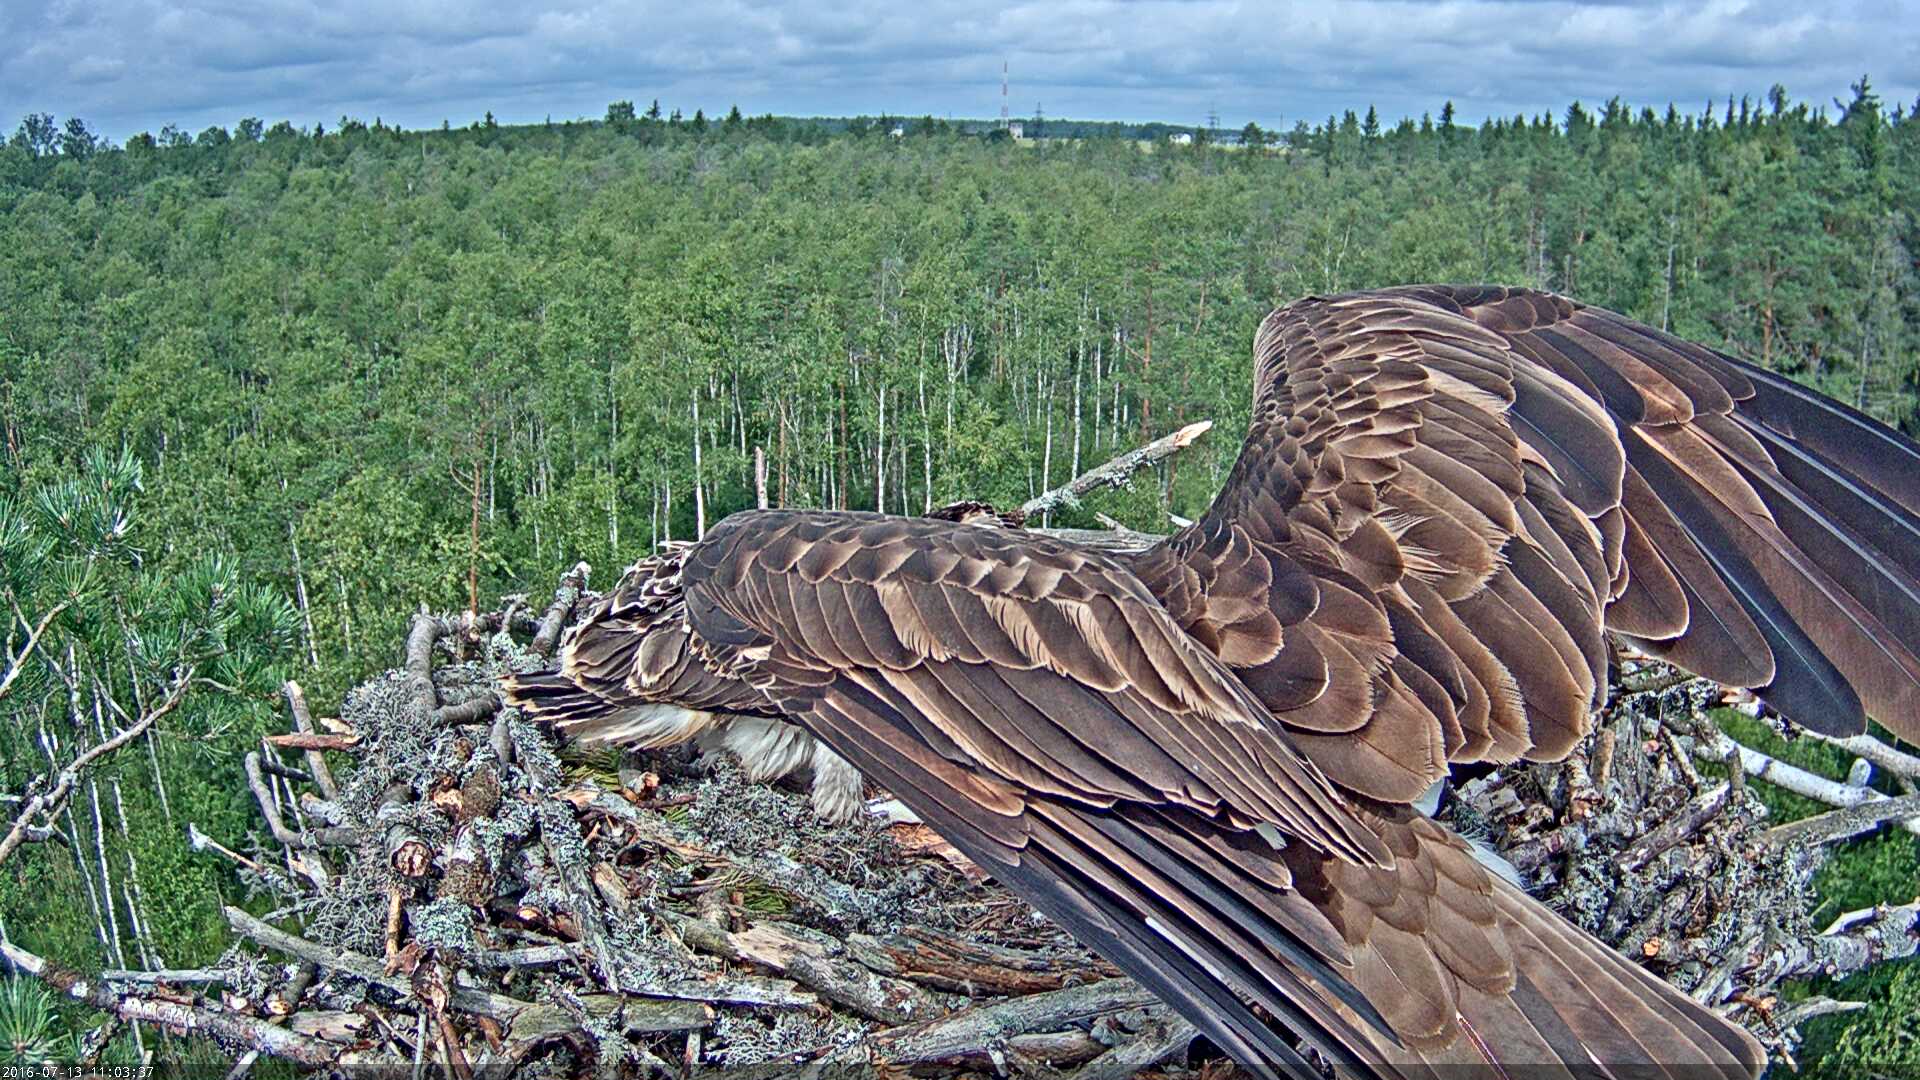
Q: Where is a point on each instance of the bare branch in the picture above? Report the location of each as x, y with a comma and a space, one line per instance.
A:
55, 796
304, 841
1847, 822
1872, 749
426, 630
567, 595
315, 741
303, 724
1164, 1036
1711, 744
183, 1019
1687, 821
1116, 472
16, 662
960, 1034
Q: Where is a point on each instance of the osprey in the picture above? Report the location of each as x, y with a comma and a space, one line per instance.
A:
1201, 760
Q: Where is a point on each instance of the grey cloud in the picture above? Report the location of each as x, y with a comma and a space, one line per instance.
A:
129, 65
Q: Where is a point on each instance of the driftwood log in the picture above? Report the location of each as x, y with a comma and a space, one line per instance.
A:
462, 893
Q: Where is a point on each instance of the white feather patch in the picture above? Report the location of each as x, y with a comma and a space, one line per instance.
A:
648, 727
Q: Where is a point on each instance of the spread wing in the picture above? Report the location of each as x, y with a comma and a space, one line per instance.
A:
1448, 496
1038, 707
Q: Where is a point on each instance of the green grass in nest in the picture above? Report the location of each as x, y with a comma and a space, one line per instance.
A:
601, 764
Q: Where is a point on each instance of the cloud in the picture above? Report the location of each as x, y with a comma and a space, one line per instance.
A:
131, 65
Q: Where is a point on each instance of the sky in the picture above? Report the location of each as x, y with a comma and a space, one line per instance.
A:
127, 66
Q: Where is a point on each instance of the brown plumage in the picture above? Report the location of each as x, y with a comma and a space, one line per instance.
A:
1198, 759
1449, 495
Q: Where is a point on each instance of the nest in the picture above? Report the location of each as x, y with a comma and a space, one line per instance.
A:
472, 895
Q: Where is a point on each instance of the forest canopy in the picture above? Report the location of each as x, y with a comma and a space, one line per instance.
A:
374, 369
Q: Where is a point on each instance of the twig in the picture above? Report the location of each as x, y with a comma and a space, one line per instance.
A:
286, 1000
49, 801
959, 1034
1799, 1012
426, 630
1846, 822
314, 741
1163, 1036
329, 836
476, 708
1653, 679
17, 662
1711, 744
273, 766
303, 723
811, 961
567, 595
1114, 473
183, 1019
199, 841
1883, 756
1703, 808
366, 968
531, 956
968, 967
560, 836
1115, 539
396, 924
182, 976
1855, 941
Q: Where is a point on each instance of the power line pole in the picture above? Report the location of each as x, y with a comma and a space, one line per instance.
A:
1003, 95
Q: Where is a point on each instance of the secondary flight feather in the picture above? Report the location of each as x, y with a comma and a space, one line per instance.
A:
1200, 759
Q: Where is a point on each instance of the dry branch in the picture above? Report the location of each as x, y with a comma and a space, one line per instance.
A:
960, 1035
1712, 744
269, 810
49, 801
314, 741
1116, 472
1847, 822
178, 1017
564, 598
303, 724
1868, 748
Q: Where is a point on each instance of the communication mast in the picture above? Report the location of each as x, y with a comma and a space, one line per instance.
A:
1003, 95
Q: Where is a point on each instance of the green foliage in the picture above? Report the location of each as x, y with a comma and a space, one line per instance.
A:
98, 635
1881, 1040
28, 1027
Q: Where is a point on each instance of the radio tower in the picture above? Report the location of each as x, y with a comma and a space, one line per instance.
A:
1003, 95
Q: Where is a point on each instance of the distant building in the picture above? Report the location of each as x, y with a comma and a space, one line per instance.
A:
1181, 138
899, 131
1016, 129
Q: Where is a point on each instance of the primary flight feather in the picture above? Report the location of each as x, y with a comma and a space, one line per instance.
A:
1200, 759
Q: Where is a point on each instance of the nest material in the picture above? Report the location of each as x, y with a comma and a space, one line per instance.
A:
471, 896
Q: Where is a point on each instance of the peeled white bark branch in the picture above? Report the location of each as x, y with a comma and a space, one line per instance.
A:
1711, 744
1880, 754
1115, 472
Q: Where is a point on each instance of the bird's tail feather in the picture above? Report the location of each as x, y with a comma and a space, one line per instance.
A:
586, 717
1523, 993
549, 696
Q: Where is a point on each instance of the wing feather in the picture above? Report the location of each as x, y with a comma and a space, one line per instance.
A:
1521, 474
